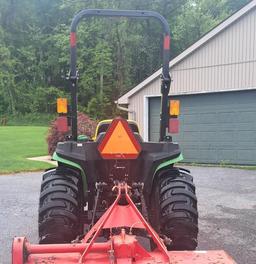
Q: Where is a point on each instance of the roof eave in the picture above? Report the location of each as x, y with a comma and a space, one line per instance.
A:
125, 98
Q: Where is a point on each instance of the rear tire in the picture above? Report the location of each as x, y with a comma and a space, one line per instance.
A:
175, 212
60, 206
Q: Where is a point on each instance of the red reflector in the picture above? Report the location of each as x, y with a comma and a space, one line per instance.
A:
174, 125
72, 39
167, 42
119, 142
62, 124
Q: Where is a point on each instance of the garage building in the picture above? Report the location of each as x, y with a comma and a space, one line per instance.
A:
215, 80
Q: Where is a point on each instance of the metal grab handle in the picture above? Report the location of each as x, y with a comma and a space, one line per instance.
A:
165, 86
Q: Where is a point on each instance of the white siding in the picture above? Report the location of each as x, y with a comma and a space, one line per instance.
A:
227, 62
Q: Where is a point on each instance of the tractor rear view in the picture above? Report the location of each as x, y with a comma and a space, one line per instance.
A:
108, 191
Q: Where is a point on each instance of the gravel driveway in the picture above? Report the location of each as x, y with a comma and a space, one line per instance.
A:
227, 208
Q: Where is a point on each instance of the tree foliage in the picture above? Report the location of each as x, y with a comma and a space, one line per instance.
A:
113, 55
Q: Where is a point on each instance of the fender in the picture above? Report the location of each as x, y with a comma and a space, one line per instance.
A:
57, 158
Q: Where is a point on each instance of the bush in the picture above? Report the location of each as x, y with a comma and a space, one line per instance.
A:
86, 126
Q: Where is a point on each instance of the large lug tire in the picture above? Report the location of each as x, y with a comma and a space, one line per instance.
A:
174, 211
60, 206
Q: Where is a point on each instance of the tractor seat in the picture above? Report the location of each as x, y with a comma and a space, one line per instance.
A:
102, 134
103, 127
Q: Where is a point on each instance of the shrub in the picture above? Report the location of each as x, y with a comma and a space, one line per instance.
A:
86, 126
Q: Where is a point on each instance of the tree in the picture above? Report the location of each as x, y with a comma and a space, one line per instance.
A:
113, 55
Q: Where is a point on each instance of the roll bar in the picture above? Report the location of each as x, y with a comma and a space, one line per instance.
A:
166, 80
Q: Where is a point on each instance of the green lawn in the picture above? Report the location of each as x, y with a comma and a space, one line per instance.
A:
18, 143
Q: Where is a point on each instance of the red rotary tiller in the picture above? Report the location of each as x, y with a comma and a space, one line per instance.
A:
122, 248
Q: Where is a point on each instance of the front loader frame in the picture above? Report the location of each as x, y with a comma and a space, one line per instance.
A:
166, 80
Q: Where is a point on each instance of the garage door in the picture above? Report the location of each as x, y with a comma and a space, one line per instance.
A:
214, 128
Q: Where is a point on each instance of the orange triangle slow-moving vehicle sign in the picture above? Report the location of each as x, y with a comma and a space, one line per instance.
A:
119, 142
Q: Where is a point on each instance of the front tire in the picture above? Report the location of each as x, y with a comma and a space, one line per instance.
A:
60, 206
175, 212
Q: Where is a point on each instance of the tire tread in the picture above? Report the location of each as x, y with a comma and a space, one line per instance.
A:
59, 207
178, 215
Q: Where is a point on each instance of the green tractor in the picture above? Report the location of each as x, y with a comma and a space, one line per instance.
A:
77, 193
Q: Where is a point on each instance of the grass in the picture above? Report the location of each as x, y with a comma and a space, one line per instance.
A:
20, 142
220, 165
29, 119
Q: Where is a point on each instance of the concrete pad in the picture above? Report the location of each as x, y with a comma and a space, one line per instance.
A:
47, 159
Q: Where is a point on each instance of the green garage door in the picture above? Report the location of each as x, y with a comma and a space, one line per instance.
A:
214, 128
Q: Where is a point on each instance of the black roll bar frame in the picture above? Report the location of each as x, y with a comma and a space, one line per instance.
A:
165, 78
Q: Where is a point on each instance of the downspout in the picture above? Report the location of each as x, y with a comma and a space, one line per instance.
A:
126, 110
